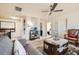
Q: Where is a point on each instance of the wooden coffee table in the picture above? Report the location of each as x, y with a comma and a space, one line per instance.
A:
51, 47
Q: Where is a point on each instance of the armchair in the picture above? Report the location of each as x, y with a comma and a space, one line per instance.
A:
72, 36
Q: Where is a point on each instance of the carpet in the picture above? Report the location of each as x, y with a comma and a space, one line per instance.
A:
72, 50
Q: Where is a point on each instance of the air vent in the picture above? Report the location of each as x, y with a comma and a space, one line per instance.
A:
18, 9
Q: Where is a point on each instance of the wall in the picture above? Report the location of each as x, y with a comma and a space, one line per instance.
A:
7, 10
18, 26
72, 22
36, 23
54, 26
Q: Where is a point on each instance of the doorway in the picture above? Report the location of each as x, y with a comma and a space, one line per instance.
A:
48, 28
41, 31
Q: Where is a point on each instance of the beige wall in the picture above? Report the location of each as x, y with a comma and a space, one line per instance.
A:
17, 27
36, 23
73, 22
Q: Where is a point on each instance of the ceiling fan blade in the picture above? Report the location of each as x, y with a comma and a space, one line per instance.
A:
57, 10
54, 6
44, 11
50, 13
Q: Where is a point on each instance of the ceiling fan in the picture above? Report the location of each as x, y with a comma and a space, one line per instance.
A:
52, 9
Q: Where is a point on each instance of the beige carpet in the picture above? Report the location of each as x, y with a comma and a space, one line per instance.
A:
72, 50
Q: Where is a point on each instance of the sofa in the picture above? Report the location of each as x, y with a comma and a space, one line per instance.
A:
11, 47
72, 36
6, 46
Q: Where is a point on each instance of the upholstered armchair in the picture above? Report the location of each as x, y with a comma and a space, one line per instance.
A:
72, 36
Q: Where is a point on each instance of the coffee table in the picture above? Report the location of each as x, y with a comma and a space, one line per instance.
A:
55, 47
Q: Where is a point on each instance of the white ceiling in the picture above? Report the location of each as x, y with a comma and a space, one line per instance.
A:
36, 8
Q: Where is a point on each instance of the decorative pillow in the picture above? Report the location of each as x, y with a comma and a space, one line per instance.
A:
72, 33
18, 48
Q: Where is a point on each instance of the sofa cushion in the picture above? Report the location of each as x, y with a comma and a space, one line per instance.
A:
23, 41
5, 45
18, 48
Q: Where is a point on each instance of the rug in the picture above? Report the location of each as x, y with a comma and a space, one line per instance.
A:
72, 50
